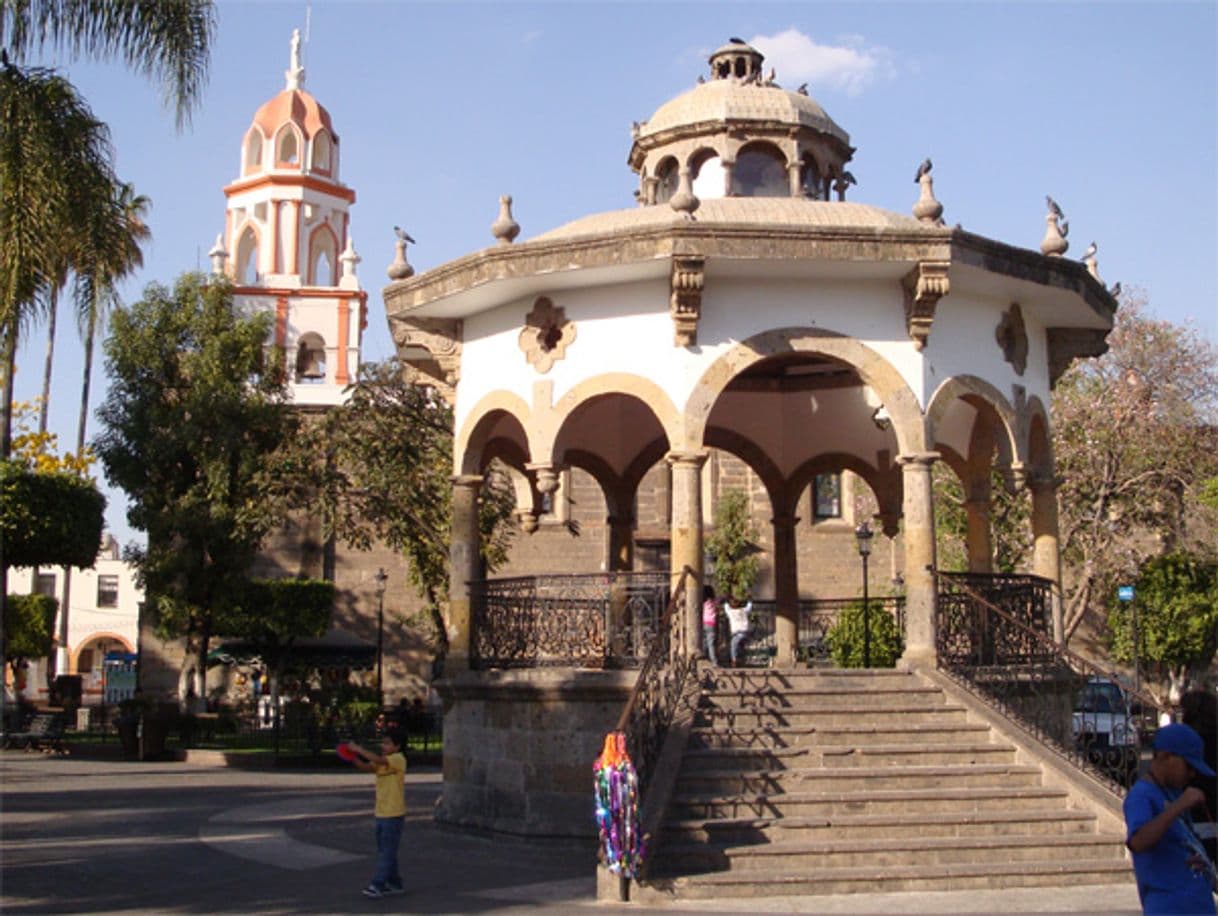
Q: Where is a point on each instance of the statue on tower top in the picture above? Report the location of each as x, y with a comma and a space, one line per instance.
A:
295, 73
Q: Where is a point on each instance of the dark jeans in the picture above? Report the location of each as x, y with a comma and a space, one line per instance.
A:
388, 836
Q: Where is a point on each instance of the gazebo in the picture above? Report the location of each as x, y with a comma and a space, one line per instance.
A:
745, 305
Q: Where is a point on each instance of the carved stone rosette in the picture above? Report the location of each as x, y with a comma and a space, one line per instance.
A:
546, 334
1012, 338
685, 299
924, 286
441, 338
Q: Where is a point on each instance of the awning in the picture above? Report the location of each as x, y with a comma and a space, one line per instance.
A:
336, 649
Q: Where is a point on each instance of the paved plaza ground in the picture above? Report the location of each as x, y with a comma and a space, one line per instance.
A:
90, 836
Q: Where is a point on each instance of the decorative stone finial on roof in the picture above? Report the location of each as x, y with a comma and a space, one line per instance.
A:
1093, 266
400, 269
218, 256
295, 74
927, 209
505, 228
349, 259
684, 201
1057, 227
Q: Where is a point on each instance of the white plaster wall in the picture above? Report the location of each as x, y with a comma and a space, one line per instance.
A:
85, 618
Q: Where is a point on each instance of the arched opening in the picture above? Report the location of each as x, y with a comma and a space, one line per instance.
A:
709, 175
310, 359
253, 149
761, 171
287, 148
246, 263
810, 181
323, 257
321, 152
667, 177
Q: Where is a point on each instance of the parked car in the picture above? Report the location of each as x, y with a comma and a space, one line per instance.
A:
1105, 729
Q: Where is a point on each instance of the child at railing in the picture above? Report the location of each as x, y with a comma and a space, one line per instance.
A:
710, 621
738, 609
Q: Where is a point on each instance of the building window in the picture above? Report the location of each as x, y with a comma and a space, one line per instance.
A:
827, 496
84, 661
107, 591
761, 171
45, 584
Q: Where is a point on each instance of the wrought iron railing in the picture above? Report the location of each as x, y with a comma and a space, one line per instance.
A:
816, 618
1072, 705
596, 620
660, 685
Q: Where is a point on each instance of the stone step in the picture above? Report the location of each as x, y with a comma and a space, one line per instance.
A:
864, 735
909, 714
1046, 821
879, 879
822, 696
904, 849
688, 806
806, 755
842, 779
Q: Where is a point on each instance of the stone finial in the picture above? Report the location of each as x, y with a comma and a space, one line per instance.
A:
295, 74
527, 519
927, 209
505, 228
349, 259
218, 256
1057, 227
684, 201
400, 269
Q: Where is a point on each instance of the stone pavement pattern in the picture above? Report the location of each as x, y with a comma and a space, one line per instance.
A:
85, 836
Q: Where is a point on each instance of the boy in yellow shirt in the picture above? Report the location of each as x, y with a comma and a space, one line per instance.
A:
390, 769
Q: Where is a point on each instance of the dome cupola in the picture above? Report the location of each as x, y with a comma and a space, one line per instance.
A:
740, 134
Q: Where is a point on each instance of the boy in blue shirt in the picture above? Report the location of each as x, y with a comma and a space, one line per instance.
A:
1169, 863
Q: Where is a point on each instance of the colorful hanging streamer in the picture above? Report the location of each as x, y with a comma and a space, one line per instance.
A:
617, 808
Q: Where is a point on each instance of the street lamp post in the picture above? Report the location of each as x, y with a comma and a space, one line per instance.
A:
863, 535
381, 578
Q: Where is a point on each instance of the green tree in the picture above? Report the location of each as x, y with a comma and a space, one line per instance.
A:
196, 431
28, 622
388, 455
1177, 619
1134, 442
732, 546
1010, 526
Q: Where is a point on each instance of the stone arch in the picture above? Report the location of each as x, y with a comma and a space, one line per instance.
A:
875, 371
623, 384
322, 149
470, 443
667, 175
246, 268
289, 146
251, 158
761, 171
91, 640
756, 459
972, 389
1036, 436
323, 257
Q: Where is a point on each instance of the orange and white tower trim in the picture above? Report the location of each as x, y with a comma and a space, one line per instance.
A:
286, 243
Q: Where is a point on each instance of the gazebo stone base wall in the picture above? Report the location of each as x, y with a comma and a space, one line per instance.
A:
519, 747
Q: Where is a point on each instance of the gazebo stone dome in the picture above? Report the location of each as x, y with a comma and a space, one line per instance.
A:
739, 134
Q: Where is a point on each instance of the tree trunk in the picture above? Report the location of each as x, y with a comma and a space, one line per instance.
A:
82, 422
45, 407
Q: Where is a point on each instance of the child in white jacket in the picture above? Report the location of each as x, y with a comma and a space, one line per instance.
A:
737, 611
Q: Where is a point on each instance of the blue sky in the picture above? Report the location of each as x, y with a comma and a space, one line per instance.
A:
1111, 107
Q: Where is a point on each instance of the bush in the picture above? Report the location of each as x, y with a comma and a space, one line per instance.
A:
845, 638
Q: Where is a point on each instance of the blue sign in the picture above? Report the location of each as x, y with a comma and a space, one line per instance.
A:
1125, 592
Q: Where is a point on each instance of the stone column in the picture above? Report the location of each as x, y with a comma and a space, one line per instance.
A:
687, 533
978, 539
786, 589
919, 512
1046, 556
463, 566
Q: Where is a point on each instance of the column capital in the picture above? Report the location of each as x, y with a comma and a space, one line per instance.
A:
918, 459
785, 522
472, 481
697, 459
546, 476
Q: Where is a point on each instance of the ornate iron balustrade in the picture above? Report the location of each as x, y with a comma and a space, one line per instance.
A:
660, 686
816, 618
1012, 663
594, 621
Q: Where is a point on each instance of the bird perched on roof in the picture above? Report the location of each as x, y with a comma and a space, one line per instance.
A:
1090, 252
635, 127
701, 79
923, 169
403, 235
1053, 207
803, 89
1115, 290
771, 78
1064, 227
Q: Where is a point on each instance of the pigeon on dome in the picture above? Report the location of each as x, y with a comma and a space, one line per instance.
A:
403, 235
1053, 207
923, 169
1090, 252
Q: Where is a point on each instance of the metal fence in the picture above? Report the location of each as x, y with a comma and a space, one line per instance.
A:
816, 618
596, 620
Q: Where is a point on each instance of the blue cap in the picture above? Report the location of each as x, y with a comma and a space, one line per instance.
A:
1183, 741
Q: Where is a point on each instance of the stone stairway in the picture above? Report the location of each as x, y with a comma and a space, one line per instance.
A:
837, 781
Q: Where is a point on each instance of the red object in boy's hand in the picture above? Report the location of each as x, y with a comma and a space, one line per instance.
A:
345, 753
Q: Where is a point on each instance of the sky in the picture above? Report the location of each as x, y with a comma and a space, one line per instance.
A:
1110, 107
